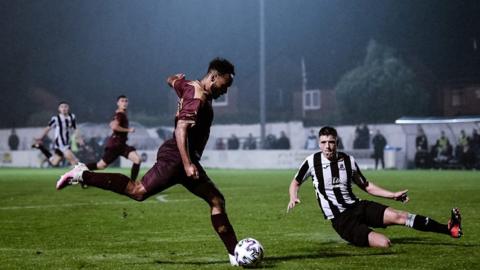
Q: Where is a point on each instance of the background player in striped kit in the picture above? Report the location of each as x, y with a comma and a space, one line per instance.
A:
116, 144
64, 122
333, 173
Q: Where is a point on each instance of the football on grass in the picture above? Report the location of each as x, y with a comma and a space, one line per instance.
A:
248, 252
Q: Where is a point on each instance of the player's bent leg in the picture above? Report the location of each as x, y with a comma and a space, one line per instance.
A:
394, 217
101, 165
55, 160
133, 156
136, 191
70, 157
378, 240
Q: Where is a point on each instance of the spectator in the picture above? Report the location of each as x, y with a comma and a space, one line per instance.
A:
422, 157
357, 144
362, 137
219, 144
443, 142
421, 142
442, 151
475, 142
463, 143
464, 139
13, 140
270, 142
311, 143
233, 142
365, 135
339, 143
468, 158
283, 142
250, 143
379, 143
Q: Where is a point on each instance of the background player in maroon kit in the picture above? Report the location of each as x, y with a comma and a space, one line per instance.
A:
116, 144
178, 158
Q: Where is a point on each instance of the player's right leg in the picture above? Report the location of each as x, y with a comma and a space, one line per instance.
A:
55, 159
68, 154
109, 155
160, 177
115, 182
422, 223
100, 165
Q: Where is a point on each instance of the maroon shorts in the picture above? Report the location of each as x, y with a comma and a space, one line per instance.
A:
169, 171
113, 151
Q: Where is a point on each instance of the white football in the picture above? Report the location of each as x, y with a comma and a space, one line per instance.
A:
248, 252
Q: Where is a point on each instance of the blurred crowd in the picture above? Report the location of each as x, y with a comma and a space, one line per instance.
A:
463, 154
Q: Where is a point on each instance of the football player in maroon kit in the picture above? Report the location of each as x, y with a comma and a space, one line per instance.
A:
116, 144
178, 158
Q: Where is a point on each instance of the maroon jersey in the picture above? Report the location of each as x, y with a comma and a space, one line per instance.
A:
195, 107
119, 137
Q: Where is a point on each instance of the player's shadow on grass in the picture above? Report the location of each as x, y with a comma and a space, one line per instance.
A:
326, 252
213, 262
271, 261
430, 242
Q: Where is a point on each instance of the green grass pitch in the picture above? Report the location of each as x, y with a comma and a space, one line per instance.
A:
41, 228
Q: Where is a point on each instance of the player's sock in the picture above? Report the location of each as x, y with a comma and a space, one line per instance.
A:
134, 171
92, 166
115, 182
426, 224
224, 229
44, 151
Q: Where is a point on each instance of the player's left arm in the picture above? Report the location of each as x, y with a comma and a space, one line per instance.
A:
115, 126
181, 135
378, 191
375, 190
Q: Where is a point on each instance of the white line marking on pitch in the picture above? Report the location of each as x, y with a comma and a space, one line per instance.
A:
159, 198
63, 205
162, 198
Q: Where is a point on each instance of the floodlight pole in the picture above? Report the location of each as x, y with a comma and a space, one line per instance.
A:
262, 74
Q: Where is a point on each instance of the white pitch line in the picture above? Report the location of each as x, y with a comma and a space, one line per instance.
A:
162, 198
159, 198
64, 205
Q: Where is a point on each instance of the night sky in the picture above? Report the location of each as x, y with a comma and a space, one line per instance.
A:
88, 52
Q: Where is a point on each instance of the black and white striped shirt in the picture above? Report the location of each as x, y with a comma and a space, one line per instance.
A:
332, 181
62, 125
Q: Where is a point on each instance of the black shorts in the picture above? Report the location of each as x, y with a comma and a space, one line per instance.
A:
353, 225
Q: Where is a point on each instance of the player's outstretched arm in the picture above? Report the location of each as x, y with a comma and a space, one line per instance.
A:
293, 192
44, 133
375, 190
